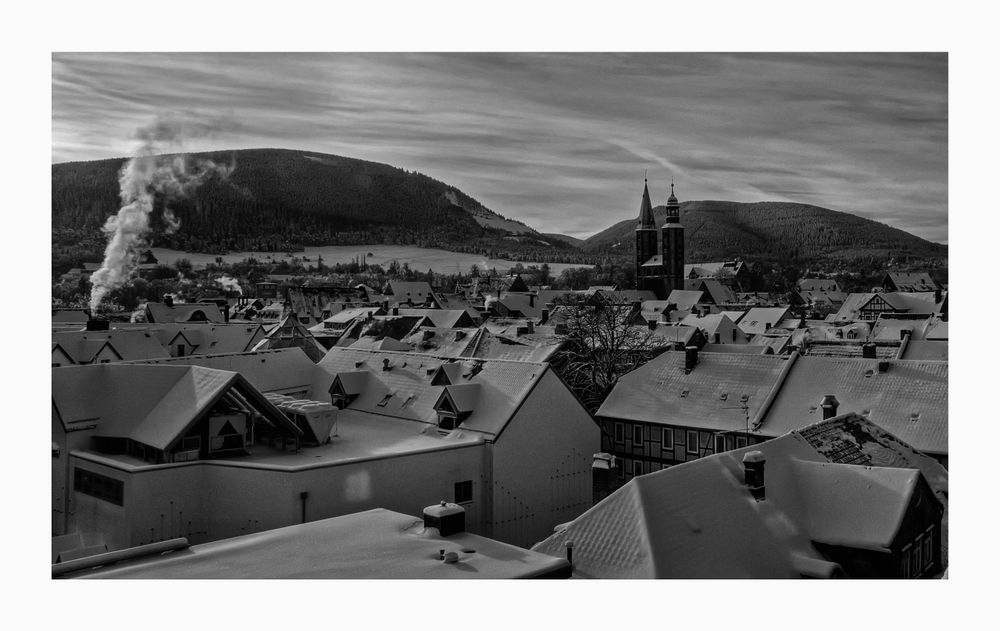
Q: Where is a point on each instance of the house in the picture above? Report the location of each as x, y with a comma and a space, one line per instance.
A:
684, 406
730, 272
758, 320
144, 453
717, 328
838, 498
909, 282
291, 333
95, 347
377, 543
868, 307
826, 285
536, 464
714, 291
74, 316
332, 328
169, 311
411, 293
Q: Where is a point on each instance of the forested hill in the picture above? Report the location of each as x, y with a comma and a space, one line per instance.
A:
280, 199
718, 230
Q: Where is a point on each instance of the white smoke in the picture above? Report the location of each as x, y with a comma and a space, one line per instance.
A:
230, 284
141, 180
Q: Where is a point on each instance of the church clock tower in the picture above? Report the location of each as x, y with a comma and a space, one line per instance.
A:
673, 245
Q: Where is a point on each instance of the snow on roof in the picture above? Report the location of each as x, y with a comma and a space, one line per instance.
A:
182, 312
413, 291
443, 318
83, 346
684, 299
818, 284
661, 392
378, 543
698, 519
151, 404
909, 399
712, 323
268, 371
405, 390
758, 319
934, 350
911, 281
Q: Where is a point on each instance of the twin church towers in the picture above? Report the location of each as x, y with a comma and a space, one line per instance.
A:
659, 270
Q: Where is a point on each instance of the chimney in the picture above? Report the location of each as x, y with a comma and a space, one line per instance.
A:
868, 350
690, 358
94, 324
395, 311
531, 300
904, 333
545, 316
651, 324
753, 473
937, 296
449, 519
883, 366
168, 299
531, 326
718, 338
829, 405
385, 364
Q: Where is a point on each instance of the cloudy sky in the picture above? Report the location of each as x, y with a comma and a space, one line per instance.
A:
559, 141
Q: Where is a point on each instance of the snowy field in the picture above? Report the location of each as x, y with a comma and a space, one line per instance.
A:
420, 259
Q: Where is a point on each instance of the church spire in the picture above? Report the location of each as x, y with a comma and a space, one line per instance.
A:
646, 219
673, 206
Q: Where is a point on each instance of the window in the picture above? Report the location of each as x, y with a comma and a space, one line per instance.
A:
918, 548
384, 401
668, 439
929, 547
741, 442
720, 443
463, 492
692, 442
180, 350
619, 433
905, 561
100, 486
637, 435
637, 467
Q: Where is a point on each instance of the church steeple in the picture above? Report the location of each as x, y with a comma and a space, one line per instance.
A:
673, 206
646, 219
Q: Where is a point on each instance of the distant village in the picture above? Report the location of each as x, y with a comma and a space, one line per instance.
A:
682, 427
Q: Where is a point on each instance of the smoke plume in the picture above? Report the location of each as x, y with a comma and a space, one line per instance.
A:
230, 284
147, 183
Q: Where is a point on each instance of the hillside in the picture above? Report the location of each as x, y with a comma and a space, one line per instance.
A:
279, 200
719, 230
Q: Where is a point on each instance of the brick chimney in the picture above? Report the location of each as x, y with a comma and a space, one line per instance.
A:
690, 358
168, 299
829, 405
868, 350
753, 473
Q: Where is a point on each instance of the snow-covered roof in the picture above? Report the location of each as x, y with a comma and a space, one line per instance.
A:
405, 390
280, 370
759, 319
83, 346
378, 544
699, 520
909, 399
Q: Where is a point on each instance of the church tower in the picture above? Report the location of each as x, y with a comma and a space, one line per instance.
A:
645, 241
673, 245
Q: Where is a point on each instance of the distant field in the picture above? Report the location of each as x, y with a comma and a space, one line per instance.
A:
420, 259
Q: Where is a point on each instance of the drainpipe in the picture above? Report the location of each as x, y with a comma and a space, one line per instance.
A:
304, 495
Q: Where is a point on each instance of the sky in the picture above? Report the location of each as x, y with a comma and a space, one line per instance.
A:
560, 141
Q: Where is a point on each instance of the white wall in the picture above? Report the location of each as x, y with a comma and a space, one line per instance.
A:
542, 465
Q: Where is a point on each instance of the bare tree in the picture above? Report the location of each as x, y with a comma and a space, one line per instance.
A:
600, 344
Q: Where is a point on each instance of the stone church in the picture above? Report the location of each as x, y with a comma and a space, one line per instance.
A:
659, 262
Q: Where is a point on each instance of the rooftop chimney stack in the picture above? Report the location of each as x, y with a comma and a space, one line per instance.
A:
753, 473
168, 299
449, 519
868, 350
937, 296
385, 364
829, 405
651, 324
94, 324
690, 358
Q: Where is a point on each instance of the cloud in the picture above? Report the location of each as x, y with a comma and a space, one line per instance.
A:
557, 140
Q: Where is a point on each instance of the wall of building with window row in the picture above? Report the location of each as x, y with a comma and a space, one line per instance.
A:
645, 447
